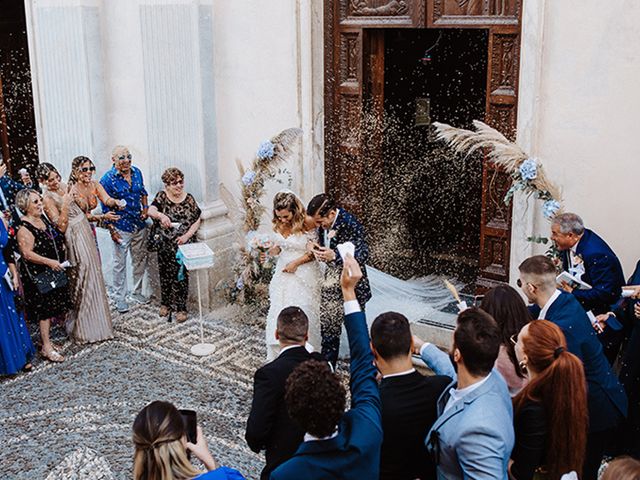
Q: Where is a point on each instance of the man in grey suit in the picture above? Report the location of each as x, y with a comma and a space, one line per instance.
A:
473, 435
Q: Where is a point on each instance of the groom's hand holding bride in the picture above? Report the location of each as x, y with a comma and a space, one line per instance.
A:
322, 254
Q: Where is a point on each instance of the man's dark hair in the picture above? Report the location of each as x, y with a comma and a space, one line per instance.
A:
477, 337
321, 204
292, 325
315, 398
538, 265
391, 335
510, 312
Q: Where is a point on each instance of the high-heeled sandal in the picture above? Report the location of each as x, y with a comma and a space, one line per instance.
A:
52, 356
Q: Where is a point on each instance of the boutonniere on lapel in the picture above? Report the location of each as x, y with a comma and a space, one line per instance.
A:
577, 259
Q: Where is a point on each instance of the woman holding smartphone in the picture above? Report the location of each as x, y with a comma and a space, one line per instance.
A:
161, 445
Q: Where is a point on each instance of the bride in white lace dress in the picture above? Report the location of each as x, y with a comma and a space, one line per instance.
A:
297, 277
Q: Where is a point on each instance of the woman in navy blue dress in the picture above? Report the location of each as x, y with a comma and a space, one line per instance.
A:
16, 348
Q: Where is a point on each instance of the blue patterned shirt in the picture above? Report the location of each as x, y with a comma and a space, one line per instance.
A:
117, 187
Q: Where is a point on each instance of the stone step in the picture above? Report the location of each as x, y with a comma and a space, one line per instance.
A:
438, 329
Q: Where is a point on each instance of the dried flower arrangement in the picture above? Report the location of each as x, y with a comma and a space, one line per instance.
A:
254, 267
527, 173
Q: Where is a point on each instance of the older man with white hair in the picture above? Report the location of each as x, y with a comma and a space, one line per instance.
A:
587, 256
124, 182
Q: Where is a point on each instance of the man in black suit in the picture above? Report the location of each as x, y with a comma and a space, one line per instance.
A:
409, 401
269, 426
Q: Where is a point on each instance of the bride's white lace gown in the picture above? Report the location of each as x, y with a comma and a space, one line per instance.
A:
300, 289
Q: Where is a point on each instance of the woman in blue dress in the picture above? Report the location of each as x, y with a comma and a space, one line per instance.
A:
161, 445
16, 348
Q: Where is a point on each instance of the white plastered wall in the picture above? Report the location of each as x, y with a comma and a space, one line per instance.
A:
268, 78
578, 113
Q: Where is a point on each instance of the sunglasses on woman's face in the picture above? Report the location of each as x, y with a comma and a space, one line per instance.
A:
176, 183
123, 157
88, 169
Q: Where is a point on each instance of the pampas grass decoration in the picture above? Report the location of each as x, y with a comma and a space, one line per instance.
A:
502, 153
454, 291
253, 277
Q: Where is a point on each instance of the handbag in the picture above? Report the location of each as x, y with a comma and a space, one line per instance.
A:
154, 238
50, 279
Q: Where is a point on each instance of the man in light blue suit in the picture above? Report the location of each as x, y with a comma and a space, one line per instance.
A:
473, 435
337, 445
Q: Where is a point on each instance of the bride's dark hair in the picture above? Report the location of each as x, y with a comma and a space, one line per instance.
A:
288, 201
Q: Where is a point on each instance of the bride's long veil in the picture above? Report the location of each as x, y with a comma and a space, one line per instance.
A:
416, 299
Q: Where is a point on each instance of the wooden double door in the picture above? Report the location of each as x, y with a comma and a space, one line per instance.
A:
355, 86
18, 145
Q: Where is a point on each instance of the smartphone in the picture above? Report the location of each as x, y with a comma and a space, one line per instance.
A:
190, 424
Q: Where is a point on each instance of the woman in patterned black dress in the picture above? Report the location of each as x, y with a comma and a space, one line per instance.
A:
42, 248
179, 217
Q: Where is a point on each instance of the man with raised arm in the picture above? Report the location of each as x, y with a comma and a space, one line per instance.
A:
337, 445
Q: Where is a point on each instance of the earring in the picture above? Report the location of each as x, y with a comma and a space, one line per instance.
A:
523, 366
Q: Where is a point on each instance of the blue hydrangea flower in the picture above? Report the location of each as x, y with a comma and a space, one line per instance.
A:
240, 283
248, 177
550, 208
529, 169
265, 150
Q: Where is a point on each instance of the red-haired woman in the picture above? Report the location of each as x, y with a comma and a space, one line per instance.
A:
550, 412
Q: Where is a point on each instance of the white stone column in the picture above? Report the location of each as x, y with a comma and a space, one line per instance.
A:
310, 66
526, 217
138, 73
177, 54
67, 68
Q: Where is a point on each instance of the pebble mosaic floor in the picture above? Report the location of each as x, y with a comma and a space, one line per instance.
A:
73, 420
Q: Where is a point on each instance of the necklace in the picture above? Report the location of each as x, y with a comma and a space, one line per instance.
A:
35, 221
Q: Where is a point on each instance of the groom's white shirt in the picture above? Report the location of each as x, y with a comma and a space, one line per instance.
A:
335, 218
326, 232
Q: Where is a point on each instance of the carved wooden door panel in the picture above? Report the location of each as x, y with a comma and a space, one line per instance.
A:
353, 50
345, 23
502, 19
502, 88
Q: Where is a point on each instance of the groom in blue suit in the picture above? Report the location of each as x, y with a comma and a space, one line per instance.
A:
473, 435
336, 226
606, 398
337, 445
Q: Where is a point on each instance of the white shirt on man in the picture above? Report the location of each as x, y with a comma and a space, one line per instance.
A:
456, 394
543, 313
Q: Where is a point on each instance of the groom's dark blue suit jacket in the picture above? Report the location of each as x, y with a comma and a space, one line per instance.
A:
348, 229
355, 451
602, 270
606, 398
